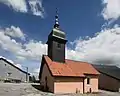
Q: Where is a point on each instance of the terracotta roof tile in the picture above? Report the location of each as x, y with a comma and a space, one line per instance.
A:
70, 68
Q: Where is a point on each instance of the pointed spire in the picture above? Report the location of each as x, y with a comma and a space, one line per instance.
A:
56, 20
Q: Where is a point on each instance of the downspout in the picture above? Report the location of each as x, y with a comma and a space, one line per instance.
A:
83, 86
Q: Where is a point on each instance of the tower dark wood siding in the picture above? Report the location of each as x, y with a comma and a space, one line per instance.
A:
56, 49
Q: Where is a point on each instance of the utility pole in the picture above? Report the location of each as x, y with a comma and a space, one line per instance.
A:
26, 73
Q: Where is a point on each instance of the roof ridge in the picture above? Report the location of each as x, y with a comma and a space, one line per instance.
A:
69, 60
78, 61
105, 65
5, 59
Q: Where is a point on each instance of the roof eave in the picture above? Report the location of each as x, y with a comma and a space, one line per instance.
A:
91, 73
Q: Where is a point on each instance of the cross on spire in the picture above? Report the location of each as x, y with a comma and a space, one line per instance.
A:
56, 20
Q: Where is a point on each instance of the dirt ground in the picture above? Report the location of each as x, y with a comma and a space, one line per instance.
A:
28, 89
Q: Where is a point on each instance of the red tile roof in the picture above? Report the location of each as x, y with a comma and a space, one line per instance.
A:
70, 68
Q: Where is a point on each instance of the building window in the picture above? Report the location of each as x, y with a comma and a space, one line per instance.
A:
9, 74
59, 45
45, 78
88, 80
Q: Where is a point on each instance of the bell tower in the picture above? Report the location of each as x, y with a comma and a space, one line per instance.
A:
56, 42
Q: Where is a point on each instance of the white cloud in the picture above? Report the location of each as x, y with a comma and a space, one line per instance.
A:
20, 58
32, 50
36, 49
23, 6
15, 32
36, 70
36, 7
36, 73
104, 48
19, 66
17, 5
9, 44
111, 9
7, 59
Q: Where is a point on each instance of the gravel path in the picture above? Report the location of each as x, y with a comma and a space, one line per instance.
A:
26, 89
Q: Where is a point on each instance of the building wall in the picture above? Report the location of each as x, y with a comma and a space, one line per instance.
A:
6, 68
109, 83
93, 84
68, 85
50, 79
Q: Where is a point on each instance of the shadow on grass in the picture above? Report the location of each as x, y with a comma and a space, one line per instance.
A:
105, 89
39, 87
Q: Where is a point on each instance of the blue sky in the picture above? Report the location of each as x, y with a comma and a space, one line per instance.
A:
27, 23
81, 17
